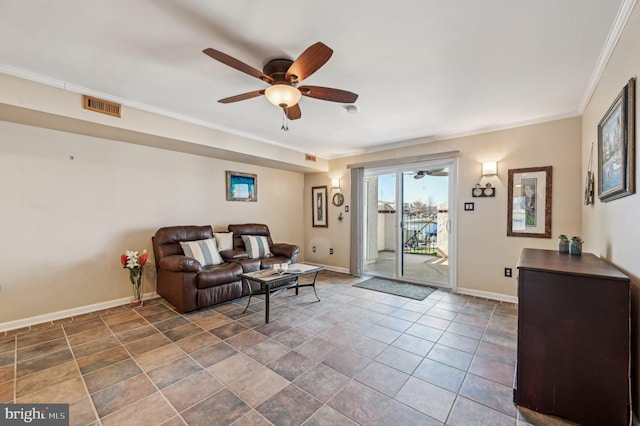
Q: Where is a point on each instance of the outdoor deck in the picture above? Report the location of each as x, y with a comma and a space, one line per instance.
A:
420, 268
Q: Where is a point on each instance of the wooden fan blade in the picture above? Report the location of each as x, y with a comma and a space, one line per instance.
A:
241, 97
328, 94
308, 62
236, 64
293, 112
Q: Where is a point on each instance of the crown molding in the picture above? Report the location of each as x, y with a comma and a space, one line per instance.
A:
612, 40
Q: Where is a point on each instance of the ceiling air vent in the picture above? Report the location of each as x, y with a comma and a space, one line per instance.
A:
102, 106
309, 157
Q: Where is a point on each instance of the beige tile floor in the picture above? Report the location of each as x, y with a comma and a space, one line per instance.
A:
356, 357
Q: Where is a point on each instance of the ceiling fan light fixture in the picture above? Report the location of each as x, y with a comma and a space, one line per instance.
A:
282, 95
351, 109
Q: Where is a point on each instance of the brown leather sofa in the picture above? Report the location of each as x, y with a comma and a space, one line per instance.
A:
188, 286
282, 252
183, 281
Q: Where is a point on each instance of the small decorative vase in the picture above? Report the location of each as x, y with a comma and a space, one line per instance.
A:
135, 276
575, 248
563, 246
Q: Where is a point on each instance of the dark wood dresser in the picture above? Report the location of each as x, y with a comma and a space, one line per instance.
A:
573, 337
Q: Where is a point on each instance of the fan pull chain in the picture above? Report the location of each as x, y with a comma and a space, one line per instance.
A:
285, 121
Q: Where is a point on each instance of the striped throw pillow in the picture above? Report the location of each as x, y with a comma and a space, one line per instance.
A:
257, 246
204, 251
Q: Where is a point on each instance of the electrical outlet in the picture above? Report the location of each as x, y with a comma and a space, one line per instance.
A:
330, 251
508, 272
313, 249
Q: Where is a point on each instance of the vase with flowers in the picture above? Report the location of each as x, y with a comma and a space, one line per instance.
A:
134, 262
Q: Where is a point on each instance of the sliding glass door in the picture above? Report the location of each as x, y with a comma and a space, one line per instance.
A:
407, 223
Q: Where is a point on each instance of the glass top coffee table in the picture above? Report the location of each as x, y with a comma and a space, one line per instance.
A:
272, 281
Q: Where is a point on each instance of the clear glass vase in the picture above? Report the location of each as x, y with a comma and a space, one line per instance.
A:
136, 296
136, 287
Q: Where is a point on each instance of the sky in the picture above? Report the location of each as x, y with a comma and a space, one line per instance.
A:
415, 189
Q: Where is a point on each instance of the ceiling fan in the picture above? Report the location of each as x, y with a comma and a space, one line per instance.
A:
283, 76
433, 172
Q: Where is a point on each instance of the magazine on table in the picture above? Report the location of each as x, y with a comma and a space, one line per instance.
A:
294, 268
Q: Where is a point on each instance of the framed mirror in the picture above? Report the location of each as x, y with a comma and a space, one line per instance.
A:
338, 199
529, 202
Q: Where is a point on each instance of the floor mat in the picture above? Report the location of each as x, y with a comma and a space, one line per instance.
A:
411, 291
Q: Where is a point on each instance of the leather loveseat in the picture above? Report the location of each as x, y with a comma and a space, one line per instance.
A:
182, 280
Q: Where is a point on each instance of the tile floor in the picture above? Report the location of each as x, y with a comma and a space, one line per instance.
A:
356, 357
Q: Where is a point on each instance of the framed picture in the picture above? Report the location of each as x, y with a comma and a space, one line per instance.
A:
616, 147
319, 208
242, 186
529, 198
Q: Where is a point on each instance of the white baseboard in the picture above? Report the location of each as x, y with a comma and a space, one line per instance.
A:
487, 295
53, 316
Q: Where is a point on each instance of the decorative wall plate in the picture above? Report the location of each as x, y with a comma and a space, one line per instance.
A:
487, 191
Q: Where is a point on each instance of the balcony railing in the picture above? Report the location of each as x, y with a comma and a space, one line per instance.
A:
420, 235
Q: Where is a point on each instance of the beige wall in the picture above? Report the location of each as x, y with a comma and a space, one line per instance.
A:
611, 229
484, 250
65, 222
336, 236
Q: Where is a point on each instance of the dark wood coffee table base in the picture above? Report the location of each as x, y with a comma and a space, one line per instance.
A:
273, 283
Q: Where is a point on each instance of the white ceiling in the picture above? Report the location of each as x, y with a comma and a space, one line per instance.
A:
424, 69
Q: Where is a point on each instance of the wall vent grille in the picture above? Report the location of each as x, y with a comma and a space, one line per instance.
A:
101, 106
309, 157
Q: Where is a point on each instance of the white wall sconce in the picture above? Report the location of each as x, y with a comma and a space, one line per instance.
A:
489, 168
335, 183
